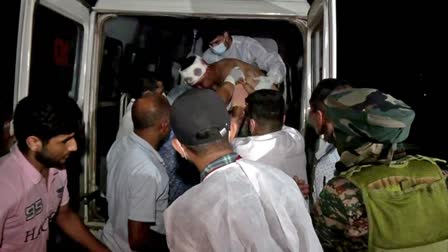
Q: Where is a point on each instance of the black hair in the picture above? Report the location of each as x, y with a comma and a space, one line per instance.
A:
186, 62
147, 82
5, 115
212, 34
45, 117
210, 147
148, 117
266, 107
324, 88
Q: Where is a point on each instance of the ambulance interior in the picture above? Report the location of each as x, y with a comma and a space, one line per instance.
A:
136, 45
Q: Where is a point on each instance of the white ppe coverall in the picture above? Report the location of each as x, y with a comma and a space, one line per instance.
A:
242, 206
252, 52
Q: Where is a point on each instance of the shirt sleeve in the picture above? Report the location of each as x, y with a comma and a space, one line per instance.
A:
268, 61
340, 217
65, 195
142, 197
9, 201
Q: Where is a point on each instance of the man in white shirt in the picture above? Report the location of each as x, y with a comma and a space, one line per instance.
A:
223, 45
271, 142
240, 205
137, 182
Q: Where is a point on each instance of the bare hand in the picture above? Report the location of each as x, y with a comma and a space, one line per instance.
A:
304, 187
240, 82
239, 96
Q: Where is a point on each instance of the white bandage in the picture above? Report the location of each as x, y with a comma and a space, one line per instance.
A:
230, 79
237, 74
192, 74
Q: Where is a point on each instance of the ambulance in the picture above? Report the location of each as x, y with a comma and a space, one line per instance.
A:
88, 49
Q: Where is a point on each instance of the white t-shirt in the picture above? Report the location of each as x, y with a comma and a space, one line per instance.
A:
126, 124
243, 206
283, 149
327, 156
137, 189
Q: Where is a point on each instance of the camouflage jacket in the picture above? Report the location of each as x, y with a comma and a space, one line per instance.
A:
369, 127
340, 217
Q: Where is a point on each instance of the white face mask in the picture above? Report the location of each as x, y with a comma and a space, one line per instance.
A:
219, 49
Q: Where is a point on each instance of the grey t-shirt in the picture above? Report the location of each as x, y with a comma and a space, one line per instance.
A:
137, 189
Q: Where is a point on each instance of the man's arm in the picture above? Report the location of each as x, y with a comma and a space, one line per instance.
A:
268, 61
225, 92
304, 187
238, 103
227, 88
72, 225
340, 218
144, 192
142, 238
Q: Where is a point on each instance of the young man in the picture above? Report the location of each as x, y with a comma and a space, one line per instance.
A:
271, 142
137, 182
222, 76
223, 45
382, 199
33, 183
240, 205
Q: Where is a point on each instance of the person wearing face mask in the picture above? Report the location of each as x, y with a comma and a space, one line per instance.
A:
224, 45
223, 76
239, 205
326, 154
271, 142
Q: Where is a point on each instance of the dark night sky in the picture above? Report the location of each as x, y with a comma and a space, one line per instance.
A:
395, 49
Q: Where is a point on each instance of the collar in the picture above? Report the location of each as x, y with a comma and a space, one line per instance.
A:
146, 146
218, 163
30, 171
270, 135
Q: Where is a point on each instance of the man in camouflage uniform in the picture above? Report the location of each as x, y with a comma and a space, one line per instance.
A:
368, 129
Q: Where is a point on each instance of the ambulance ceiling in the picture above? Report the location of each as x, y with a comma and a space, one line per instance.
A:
209, 7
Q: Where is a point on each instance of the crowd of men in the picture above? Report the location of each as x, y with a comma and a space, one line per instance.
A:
250, 186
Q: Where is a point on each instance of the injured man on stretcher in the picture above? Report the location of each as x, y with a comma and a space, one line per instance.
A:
223, 77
